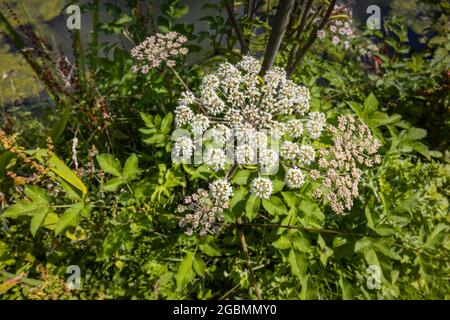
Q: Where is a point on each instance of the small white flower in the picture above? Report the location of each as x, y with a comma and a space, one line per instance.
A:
246, 154
199, 123
184, 146
306, 154
187, 98
221, 190
261, 188
335, 40
289, 150
211, 101
294, 128
321, 34
294, 178
183, 115
268, 157
316, 124
215, 158
249, 64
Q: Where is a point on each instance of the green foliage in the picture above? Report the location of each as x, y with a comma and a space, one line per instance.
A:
111, 206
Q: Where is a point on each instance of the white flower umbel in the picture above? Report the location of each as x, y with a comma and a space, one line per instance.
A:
306, 154
316, 124
183, 115
261, 188
290, 150
187, 98
158, 48
268, 157
183, 146
294, 178
199, 123
249, 64
294, 128
221, 190
246, 154
215, 158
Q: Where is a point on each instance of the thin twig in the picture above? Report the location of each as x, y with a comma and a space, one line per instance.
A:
272, 225
311, 39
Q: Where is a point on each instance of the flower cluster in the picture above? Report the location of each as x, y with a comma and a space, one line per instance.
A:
158, 48
341, 29
268, 121
236, 95
204, 210
261, 188
353, 146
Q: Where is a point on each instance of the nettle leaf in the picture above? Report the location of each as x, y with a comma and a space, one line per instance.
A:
63, 171
347, 290
292, 200
307, 292
252, 207
363, 244
185, 272
384, 247
109, 164
70, 218
131, 168
310, 214
274, 205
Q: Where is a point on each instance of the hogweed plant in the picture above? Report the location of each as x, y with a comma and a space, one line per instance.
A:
242, 119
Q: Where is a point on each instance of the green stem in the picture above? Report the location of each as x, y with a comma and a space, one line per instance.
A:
247, 258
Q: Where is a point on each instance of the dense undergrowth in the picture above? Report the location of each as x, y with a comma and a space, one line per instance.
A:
88, 179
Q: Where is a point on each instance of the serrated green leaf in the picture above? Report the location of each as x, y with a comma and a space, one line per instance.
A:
274, 205
113, 184
210, 249
23, 208
38, 219
185, 272
282, 243
131, 168
37, 194
70, 218
199, 266
166, 123
252, 207
109, 164
298, 264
